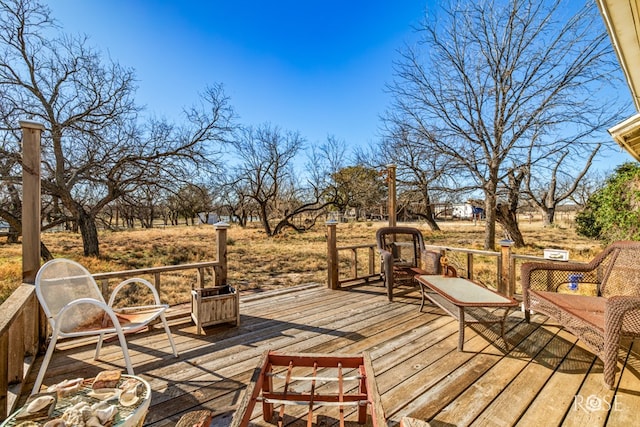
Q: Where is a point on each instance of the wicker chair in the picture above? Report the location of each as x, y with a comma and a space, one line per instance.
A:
404, 256
599, 320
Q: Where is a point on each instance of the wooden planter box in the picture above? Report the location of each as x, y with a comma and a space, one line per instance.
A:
211, 306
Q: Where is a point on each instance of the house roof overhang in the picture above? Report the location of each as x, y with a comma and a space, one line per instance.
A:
622, 19
627, 134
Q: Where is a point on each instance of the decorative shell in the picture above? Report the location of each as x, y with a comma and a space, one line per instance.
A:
65, 384
104, 413
58, 422
93, 422
73, 417
129, 383
39, 403
66, 387
129, 397
105, 394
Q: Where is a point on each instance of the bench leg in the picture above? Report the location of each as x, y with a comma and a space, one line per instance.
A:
460, 328
504, 319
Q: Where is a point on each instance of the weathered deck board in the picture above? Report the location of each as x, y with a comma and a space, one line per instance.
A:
419, 371
478, 396
514, 399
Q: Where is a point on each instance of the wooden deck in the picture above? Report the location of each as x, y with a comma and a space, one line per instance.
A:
545, 378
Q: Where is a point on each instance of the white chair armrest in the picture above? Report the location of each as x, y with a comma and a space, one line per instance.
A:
58, 321
144, 282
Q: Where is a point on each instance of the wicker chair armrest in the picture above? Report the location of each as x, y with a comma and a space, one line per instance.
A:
622, 312
134, 280
385, 254
387, 260
548, 276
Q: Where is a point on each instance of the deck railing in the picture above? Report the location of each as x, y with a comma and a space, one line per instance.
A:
345, 265
19, 339
23, 327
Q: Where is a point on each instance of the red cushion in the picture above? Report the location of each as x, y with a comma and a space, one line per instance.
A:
587, 308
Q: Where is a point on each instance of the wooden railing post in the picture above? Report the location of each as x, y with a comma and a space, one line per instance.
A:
200, 281
504, 281
470, 266
391, 181
31, 208
372, 261
4, 375
156, 282
332, 255
354, 262
221, 252
31, 133
104, 288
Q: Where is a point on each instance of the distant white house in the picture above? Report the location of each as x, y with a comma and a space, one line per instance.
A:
466, 211
208, 218
462, 211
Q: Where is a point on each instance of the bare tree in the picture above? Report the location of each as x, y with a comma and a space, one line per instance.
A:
94, 149
233, 198
593, 181
560, 184
266, 154
265, 174
494, 85
424, 174
324, 163
358, 187
191, 200
10, 201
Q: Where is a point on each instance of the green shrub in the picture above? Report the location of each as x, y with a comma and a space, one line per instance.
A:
613, 212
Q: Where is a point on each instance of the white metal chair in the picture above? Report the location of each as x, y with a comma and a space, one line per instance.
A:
74, 306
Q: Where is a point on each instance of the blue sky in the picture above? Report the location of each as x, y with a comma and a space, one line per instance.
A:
315, 66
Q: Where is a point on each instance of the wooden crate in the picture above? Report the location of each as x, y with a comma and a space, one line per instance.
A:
343, 382
211, 306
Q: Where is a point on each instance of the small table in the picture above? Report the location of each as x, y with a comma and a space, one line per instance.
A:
127, 416
455, 294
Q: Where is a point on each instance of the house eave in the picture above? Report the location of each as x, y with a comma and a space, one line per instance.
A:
627, 134
622, 20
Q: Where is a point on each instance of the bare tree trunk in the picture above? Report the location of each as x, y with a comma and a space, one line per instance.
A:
264, 219
45, 254
490, 203
548, 215
507, 213
548, 199
507, 218
428, 210
12, 236
89, 231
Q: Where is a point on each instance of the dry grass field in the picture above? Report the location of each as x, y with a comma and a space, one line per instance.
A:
255, 261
